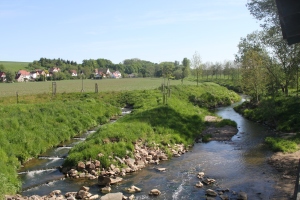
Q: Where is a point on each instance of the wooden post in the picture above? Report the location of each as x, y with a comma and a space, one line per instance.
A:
17, 97
53, 88
96, 87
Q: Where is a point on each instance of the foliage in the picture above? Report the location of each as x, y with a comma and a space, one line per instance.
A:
150, 122
196, 65
282, 113
280, 144
226, 122
254, 74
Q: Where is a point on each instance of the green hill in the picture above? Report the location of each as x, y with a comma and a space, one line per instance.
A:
14, 66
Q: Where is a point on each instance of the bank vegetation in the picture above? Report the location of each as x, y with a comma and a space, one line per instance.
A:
39, 123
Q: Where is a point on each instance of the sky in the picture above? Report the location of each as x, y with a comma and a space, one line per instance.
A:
153, 30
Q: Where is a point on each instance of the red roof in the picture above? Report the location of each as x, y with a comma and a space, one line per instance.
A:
24, 72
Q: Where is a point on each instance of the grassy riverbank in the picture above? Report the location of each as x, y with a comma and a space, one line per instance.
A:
280, 113
154, 124
39, 122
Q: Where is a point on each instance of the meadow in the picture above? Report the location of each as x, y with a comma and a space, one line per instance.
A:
71, 86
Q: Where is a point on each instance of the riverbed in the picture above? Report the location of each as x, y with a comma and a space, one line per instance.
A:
239, 165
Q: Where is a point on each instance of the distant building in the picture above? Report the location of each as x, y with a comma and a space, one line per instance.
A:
53, 70
73, 73
116, 74
22, 76
2, 77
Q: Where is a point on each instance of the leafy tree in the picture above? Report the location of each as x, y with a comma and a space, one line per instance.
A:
167, 69
254, 74
104, 63
9, 76
185, 69
287, 56
2, 68
196, 64
177, 74
282, 54
226, 69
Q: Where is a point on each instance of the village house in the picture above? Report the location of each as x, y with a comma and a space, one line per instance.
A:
22, 76
37, 73
73, 73
2, 77
116, 74
102, 73
54, 70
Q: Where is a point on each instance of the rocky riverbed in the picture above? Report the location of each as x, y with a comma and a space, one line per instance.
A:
144, 156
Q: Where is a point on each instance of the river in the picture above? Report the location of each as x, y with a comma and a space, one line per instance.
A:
239, 165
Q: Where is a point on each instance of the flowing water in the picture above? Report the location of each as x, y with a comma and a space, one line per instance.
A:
240, 165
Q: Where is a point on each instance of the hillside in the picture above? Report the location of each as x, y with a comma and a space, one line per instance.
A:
14, 66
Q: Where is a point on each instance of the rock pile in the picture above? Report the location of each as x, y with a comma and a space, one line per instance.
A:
143, 156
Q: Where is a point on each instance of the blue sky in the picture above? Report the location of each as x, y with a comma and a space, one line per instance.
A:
153, 30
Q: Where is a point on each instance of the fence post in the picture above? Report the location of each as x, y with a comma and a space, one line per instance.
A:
96, 87
17, 97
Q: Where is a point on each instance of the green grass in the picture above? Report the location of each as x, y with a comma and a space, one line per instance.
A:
289, 145
151, 122
70, 86
41, 121
14, 66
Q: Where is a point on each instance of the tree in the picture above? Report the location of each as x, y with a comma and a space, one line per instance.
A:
2, 68
167, 69
265, 11
226, 69
196, 64
254, 74
185, 69
282, 54
287, 56
9, 76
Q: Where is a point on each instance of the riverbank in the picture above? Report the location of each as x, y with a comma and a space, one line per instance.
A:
143, 156
287, 165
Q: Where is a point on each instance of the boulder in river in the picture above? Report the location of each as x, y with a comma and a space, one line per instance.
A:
154, 192
114, 196
106, 180
242, 196
210, 192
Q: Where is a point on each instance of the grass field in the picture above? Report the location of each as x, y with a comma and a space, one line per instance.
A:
69, 86
14, 66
